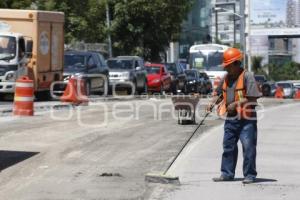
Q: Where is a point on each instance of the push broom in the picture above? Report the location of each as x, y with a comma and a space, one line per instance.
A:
164, 177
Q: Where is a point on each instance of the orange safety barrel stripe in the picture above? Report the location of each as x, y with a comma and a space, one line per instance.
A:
24, 97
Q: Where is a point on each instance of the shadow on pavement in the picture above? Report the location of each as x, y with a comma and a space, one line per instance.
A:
258, 180
262, 180
10, 158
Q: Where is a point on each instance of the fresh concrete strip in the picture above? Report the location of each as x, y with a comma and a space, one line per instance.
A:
277, 163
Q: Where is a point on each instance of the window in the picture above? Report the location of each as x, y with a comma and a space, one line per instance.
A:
91, 61
102, 60
136, 64
271, 43
224, 36
21, 48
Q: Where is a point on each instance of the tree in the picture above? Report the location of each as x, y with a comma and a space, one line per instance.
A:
15, 4
146, 27
289, 71
256, 63
140, 27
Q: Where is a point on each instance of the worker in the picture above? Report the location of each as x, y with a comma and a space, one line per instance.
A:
237, 96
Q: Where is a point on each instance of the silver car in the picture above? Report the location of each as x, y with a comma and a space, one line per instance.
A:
128, 72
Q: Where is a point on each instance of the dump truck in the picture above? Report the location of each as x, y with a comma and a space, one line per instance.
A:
32, 44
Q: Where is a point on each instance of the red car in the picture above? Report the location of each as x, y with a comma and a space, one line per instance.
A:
158, 78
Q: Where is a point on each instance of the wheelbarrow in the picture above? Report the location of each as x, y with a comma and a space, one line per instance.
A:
186, 107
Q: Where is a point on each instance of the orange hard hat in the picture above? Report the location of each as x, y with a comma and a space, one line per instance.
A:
231, 55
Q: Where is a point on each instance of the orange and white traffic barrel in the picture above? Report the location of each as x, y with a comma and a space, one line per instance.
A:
24, 97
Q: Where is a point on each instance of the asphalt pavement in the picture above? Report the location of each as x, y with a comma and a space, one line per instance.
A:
100, 151
278, 163
104, 150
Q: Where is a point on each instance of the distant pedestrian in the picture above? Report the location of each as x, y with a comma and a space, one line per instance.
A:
239, 93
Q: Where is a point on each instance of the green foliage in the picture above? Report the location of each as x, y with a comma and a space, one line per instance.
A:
84, 20
14, 4
145, 27
237, 45
289, 71
140, 27
256, 63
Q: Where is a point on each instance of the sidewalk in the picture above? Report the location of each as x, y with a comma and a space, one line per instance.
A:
278, 163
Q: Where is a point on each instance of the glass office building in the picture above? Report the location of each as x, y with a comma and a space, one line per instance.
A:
197, 27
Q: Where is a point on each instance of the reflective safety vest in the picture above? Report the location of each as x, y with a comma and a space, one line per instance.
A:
243, 111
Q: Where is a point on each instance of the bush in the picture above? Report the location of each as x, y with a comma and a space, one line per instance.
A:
289, 71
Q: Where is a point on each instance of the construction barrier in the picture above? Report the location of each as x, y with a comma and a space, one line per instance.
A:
24, 97
297, 95
279, 93
75, 92
216, 83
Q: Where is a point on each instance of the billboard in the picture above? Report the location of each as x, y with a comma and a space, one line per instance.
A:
275, 17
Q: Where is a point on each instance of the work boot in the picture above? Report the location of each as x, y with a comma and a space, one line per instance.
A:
248, 180
222, 179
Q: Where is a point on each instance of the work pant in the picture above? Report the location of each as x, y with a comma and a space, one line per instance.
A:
246, 131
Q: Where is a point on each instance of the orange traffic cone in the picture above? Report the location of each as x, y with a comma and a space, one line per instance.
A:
75, 92
279, 94
297, 95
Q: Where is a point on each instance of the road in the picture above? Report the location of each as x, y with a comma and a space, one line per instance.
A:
100, 151
277, 163
57, 156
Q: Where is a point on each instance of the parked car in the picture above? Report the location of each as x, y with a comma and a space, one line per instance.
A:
194, 82
90, 66
207, 83
260, 80
178, 77
128, 69
296, 84
288, 88
158, 78
268, 89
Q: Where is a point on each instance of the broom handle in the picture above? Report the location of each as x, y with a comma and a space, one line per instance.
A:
182, 148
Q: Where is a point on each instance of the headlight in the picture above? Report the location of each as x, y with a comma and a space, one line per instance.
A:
11, 76
193, 81
125, 75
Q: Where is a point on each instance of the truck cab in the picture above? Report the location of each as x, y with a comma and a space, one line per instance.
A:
14, 54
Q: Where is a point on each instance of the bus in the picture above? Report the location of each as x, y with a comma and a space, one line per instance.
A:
208, 58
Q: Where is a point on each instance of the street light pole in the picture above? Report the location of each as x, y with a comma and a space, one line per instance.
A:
242, 30
108, 27
216, 20
234, 28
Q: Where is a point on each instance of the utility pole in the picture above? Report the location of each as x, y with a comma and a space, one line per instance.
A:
243, 29
234, 26
248, 25
108, 27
